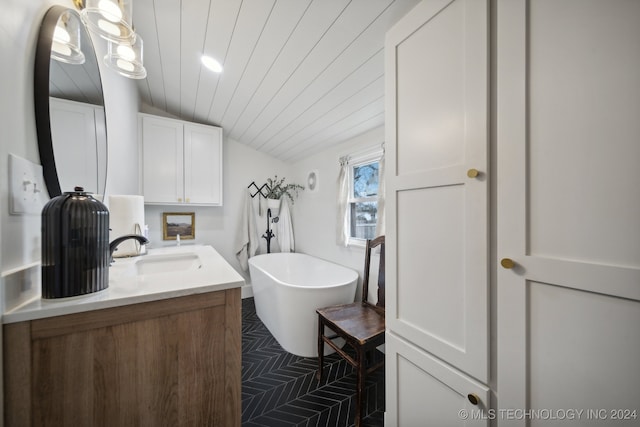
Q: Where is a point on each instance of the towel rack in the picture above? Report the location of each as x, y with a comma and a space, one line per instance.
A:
259, 190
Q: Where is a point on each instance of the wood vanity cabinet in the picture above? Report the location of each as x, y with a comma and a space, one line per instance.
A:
173, 362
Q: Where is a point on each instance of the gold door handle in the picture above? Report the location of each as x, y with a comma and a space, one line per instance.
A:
473, 398
188, 200
507, 263
179, 199
473, 173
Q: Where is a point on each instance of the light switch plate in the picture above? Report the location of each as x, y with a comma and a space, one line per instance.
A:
27, 193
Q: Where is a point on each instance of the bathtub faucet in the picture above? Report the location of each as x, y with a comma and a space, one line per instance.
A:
269, 234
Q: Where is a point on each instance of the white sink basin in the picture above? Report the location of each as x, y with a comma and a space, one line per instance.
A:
171, 271
158, 264
167, 263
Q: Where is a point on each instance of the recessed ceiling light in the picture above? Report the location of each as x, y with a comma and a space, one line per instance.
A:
211, 64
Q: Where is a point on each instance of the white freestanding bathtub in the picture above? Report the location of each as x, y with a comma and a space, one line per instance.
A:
287, 289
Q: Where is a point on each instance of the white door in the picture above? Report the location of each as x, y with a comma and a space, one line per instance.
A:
203, 164
162, 160
437, 214
437, 134
568, 132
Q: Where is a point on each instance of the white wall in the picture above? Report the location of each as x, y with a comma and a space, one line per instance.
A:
19, 26
315, 213
121, 105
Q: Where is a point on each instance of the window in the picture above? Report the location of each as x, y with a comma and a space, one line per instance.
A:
360, 200
363, 197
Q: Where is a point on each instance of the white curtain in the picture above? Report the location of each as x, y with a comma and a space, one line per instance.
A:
342, 220
381, 189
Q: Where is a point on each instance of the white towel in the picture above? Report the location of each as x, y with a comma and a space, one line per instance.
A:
247, 239
285, 227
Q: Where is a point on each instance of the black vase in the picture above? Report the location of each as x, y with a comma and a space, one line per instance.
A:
75, 245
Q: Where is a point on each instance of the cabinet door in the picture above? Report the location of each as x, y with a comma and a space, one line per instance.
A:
423, 391
162, 160
73, 131
437, 135
568, 102
203, 164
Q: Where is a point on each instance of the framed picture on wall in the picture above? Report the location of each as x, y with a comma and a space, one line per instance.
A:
178, 223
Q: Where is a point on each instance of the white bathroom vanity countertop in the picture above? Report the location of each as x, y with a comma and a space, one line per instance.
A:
198, 269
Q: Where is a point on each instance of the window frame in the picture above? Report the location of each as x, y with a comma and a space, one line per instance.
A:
356, 161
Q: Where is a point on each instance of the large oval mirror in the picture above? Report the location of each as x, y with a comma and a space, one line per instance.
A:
69, 106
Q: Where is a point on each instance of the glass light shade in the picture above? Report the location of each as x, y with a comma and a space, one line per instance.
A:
65, 46
110, 19
126, 58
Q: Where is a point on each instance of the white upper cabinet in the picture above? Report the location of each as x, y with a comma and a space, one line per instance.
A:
162, 144
202, 164
181, 162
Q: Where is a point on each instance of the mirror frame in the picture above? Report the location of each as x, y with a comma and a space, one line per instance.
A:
42, 95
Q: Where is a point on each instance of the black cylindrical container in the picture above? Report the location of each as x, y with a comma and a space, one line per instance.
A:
75, 245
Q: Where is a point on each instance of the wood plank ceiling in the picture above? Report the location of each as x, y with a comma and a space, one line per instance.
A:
299, 75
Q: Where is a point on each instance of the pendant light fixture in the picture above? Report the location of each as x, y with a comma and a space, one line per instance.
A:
112, 20
126, 59
65, 46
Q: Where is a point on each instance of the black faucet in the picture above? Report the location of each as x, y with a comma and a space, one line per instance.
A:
113, 246
269, 234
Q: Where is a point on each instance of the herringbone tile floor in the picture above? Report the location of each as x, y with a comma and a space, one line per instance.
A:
280, 389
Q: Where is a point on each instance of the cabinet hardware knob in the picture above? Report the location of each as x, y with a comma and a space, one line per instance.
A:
507, 263
473, 173
188, 200
473, 398
179, 199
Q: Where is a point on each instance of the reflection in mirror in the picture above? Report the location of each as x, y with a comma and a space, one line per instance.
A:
70, 113
66, 46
